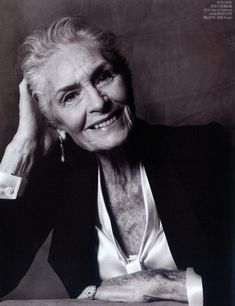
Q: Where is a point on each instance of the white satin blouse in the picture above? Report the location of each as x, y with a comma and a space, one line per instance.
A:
154, 251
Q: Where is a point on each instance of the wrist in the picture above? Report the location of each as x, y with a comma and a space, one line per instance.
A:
177, 285
168, 285
19, 157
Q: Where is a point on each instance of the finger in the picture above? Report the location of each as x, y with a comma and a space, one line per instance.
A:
28, 109
24, 92
82, 296
116, 294
26, 104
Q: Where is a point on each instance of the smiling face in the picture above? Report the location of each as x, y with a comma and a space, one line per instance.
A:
87, 97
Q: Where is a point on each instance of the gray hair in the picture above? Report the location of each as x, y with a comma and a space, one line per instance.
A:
41, 44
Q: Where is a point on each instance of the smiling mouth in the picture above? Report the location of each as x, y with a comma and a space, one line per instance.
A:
107, 122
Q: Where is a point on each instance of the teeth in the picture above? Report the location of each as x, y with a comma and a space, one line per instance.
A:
105, 123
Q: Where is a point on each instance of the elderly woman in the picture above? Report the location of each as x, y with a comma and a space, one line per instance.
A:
134, 208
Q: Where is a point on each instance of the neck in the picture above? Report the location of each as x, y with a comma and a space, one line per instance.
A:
120, 163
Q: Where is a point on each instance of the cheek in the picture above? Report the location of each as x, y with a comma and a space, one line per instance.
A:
72, 121
118, 92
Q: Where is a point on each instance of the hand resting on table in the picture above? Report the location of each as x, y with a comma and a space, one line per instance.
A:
144, 286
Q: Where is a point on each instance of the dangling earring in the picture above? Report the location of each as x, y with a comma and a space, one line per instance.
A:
62, 158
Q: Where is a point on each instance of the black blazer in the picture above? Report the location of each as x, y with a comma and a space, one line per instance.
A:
187, 171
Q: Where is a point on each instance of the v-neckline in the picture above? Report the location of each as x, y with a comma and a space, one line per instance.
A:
152, 223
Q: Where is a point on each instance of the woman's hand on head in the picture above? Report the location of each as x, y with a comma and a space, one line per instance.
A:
32, 140
32, 127
143, 286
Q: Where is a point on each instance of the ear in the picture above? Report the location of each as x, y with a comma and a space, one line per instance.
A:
62, 133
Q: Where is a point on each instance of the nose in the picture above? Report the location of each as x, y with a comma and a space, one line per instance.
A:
97, 101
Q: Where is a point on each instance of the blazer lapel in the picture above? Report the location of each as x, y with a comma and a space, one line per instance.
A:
183, 232
72, 252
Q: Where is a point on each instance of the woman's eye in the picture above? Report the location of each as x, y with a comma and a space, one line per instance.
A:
70, 96
105, 75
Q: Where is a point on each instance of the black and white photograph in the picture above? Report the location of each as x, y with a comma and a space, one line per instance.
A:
117, 143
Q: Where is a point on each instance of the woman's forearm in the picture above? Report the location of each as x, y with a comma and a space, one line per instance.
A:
166, 285
144, 286
19, 158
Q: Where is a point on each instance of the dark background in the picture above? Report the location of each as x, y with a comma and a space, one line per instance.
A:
182, 67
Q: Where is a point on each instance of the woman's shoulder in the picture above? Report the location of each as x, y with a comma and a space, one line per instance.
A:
185, 140
212, 128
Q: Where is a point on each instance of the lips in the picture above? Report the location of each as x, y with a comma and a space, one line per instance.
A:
107, 121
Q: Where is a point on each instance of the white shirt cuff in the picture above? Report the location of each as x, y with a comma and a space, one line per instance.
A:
194, 288
11, 186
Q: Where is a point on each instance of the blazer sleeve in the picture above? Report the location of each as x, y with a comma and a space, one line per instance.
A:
26, 222
205, 170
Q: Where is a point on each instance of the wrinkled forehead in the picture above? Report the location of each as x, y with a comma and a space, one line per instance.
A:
70, 63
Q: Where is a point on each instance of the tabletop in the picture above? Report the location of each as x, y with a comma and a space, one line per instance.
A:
72, 302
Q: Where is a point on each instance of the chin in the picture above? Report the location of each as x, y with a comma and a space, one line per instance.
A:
112, 144
108, 143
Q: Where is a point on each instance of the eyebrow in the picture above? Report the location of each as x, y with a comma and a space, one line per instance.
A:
94, 74
68, 88
99, 69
